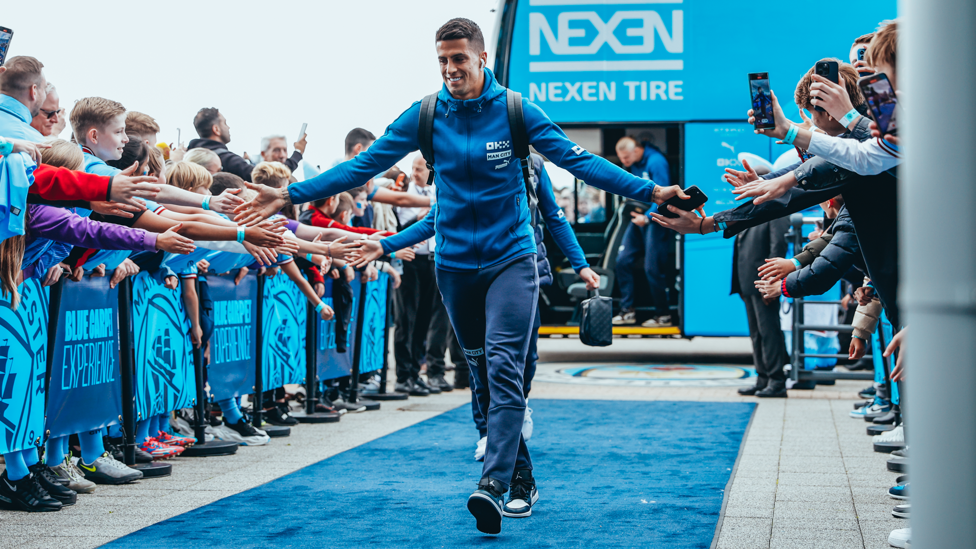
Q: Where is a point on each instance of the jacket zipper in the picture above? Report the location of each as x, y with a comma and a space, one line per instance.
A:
467, 170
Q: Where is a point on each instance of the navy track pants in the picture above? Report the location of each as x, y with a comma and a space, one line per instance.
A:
492, 311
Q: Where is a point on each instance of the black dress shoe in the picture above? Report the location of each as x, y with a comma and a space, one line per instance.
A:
750, 391
773, 390
461, 382
419, 382
440, 383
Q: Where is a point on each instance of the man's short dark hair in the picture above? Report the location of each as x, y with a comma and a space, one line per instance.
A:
358, 136
459, 28
22, 73
223, 181
204, 121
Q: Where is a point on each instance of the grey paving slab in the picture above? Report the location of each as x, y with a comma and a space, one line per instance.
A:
801, 510
826, 524
744, 533
826, 494
807, 538
813, 479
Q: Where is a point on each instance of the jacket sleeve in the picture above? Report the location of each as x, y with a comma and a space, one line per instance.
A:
819, 173
556, 222
818, 277
812, 250
416, 233
751, 214
236, 165
51, 183
70, 228
293, 160
781, 171
550, 140
399, 140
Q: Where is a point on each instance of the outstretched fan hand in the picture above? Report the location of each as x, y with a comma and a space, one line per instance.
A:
267, 203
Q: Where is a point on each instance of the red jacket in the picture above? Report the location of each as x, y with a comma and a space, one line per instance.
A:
319, 219
53, 183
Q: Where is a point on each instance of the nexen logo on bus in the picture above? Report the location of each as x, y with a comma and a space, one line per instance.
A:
626, 34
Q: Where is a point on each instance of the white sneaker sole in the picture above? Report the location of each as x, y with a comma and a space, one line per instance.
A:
527, 512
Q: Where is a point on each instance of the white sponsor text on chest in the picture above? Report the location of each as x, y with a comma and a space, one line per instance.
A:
495, 151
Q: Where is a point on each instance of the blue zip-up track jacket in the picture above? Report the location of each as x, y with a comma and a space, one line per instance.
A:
481, 217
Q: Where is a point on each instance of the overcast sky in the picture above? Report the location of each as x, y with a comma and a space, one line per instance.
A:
268, 66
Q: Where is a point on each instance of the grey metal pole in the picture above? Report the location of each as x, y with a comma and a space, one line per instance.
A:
937, 78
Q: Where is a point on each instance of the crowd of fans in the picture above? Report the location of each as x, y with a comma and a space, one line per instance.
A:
850, 169
109, 200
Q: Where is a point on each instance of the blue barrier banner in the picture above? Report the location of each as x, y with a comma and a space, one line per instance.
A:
164, 375
23, 367
329, 363
85, 372
374, 325
282, 333
233, 345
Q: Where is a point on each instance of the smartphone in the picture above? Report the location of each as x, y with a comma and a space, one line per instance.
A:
302, 133
6, 35
881, 100
697, 199
178, 136
860, 53
762, 101
828, 70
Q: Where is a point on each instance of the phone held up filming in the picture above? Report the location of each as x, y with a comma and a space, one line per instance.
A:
762, 100
882, 101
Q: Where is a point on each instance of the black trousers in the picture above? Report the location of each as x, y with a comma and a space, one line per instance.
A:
768, 343
439, 335
414, 307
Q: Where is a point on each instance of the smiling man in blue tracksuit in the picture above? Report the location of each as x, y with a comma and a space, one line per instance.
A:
485, 245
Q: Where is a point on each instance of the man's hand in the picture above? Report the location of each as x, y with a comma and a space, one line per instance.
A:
126, 268
831, 97
766, 189
98, 271
116, 208
77, 273
33, 150
319, 289
862, 66
737, 178
864, 295
662, 194
267, 203
171, 282
240, 276
326, 313
226, 201
769, 289
287, 247
782, 123
264, 256
128, 189
301, 143
898, 342
591, 278
639, 219
340, 249
815, 234
777, 267
685, 223
370, 273
406, 254
857, 349
196, 336
173, 242
350, 273
845, 302
53, 275
262, 236
369, 250
875, 132
176, 153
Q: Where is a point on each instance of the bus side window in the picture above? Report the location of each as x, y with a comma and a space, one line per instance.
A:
590, 203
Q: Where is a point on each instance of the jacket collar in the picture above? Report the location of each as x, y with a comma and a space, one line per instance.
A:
15, 107
491, 90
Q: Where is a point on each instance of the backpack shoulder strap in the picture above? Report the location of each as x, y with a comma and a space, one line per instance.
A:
520, 144
425, 132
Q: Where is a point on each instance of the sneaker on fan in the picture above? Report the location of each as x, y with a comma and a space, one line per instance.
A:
626, 317
159, 451
658, 322
174, 440
896, 435
878, 407
900, 538
479, 450
527, 424
241, 432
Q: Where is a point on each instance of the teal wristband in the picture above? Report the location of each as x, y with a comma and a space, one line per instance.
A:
392, 255
6, 147
319, 307
849, 117
308, 257
206, 203
796, 263
240, 234
791, 134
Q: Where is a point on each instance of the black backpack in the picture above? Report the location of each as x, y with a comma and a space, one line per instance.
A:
520, 141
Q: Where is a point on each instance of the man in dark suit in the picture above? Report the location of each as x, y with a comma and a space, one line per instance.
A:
751, 249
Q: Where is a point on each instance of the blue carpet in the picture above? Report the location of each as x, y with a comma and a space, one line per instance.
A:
610, 474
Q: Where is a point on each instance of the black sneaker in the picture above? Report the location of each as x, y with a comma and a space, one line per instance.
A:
902, 511
751, 391
439, 383
486, 504
411, 389
420, 383
278, 415
52, 484
522, 495
868, 392
26, 494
